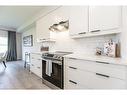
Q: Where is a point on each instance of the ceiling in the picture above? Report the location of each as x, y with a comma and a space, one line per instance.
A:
15, 16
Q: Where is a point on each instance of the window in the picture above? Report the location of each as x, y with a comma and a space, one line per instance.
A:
3, 41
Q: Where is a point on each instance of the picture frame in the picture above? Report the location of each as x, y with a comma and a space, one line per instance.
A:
28, 41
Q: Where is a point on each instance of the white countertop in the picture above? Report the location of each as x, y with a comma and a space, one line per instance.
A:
39, 52
117, 61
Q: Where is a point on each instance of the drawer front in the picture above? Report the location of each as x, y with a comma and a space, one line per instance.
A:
94, 80
35, 56
71, 85
38, 63
32, 68
36, 67
73, 79
115, 71
38, 72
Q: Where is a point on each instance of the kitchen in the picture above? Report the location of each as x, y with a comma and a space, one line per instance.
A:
76, 47
91, 29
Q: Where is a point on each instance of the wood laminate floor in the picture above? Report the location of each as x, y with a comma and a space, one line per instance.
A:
16, 77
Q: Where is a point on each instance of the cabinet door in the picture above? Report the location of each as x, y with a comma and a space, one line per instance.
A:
78, 21
32, 65
36, 65
102, 18
39, 68
42, 28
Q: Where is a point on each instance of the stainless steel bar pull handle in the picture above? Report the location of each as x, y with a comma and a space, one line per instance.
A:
72, 82
95, 30
102, 62
42, 39
72, 58
82, 33
72, 67
102, 75
38, 67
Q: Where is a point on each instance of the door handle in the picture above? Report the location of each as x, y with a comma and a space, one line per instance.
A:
102, 62
38, 59
95, 31
72, 67
73, 82
42, 39
38, 67
102, 75
82, 33
73, 58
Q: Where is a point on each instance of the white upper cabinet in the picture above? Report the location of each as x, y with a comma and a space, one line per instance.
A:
42, 28
94, 21
43, 24
78, 21
103, 18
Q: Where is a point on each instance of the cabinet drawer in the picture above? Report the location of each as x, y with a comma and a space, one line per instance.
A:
36, 70
38, 63
35, 56
73, 79
71, 85
36, 67
94, 80
32, 68
115, 71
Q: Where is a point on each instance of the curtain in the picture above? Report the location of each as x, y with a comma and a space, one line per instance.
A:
12, 51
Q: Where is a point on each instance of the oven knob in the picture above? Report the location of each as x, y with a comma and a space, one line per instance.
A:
54, 56
57, 57
60, 57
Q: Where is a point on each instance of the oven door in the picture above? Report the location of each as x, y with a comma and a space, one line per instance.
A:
56, 76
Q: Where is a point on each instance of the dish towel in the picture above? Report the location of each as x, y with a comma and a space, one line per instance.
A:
49, 67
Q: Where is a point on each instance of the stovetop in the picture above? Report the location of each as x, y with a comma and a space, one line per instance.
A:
58, 55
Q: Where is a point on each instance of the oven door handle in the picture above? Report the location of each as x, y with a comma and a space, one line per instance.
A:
53, 61
57, 62
44, 59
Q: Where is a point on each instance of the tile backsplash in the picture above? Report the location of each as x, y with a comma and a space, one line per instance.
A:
83, 45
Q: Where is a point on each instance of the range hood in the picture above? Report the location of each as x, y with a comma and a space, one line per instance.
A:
61, 26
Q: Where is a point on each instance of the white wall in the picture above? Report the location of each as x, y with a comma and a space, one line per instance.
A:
35, 47
19, 45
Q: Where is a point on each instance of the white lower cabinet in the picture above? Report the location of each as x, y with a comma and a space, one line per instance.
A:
79, 77
36, 64
71, 85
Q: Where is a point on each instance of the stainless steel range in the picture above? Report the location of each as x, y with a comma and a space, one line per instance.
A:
52, 69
